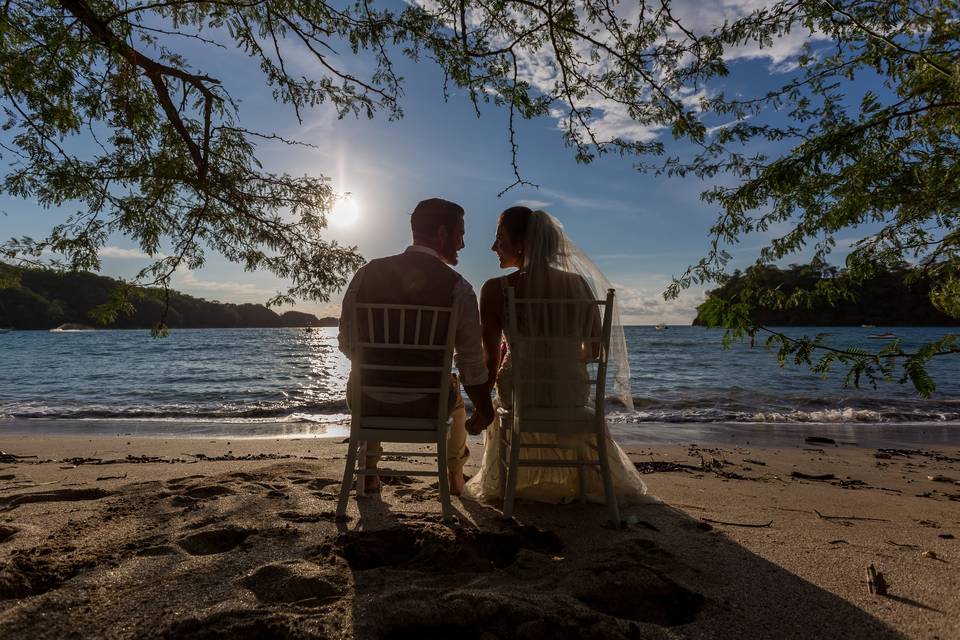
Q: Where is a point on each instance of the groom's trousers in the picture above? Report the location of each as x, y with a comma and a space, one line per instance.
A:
457, 451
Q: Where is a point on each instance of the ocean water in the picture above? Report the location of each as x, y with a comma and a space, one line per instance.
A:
290, 381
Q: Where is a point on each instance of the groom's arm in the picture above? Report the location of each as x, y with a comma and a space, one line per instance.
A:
469, 353
347, 314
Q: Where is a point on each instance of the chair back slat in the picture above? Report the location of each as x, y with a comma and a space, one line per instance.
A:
399, 371
559, 350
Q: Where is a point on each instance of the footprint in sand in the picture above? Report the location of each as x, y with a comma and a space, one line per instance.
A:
432, 549
190, 496
60, 495
213, 541
635, 592
297, 581
6, 532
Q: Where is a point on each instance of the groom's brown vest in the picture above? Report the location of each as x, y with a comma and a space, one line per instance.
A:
412, 278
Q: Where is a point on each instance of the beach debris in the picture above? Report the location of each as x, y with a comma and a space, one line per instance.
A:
112, 477
902, 546
658, 466
930, 554
812, 476
939, 478
838, 541
79, 461
756, 462
876, 583
819, 440
946, 536
827, 517
935, 456
882, 456
12, 457
739, 524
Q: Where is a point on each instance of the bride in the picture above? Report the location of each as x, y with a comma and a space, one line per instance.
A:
548, 265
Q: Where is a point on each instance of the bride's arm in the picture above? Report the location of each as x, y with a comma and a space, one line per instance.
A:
491, 323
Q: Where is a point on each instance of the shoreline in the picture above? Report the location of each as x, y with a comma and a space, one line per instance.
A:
771, 435
129, 537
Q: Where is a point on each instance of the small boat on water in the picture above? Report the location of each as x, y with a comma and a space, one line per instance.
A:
886, 335
869, 326
660, 326
72, 326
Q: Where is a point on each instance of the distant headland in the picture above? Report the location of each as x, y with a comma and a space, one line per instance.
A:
886, 300
46, 299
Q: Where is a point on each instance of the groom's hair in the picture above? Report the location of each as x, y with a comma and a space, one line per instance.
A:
433, 213
515, 221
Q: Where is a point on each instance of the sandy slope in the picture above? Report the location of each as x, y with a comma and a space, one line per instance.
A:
137, 538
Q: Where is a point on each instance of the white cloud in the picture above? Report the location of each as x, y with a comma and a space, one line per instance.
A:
186, 280
611, 120
533, 204
640, 306
110, 251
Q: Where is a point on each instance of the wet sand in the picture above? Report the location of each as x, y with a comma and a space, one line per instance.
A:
123, 537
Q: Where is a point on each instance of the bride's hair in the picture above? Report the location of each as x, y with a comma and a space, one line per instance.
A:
554, 267
515, 221
536, 231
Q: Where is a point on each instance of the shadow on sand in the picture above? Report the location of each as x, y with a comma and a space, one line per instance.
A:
560, 572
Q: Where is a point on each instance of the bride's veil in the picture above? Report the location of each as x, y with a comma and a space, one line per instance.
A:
554, 267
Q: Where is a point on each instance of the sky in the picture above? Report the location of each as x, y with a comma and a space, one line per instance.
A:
640, 229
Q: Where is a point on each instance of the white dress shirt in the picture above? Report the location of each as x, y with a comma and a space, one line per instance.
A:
468, 349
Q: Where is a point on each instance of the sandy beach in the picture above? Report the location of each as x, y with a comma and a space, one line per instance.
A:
121, 537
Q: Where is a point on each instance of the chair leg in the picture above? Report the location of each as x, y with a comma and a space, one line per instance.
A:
513, 471
504, 446
362, 466
348, 476
581, 475
607, 480
443, 478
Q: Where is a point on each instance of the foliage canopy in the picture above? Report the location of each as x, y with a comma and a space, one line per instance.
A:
172, 167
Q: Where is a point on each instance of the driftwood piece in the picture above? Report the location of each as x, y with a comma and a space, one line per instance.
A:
876, 583
12, 457
740, 524
112, 477
902, 545
812, 476
826, 517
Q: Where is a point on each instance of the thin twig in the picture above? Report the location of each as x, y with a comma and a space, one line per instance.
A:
739, 524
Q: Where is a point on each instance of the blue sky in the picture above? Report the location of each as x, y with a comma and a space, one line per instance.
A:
640, 229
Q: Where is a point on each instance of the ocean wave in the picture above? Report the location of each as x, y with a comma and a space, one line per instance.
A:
839, 415
283, 413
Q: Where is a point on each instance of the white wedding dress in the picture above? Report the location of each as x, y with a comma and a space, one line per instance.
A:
553, 484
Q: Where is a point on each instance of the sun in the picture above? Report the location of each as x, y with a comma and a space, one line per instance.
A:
345, 212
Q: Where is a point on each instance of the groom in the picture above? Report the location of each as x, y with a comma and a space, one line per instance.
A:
421, 276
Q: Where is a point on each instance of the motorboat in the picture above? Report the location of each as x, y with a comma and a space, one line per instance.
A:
886, 335
660, 326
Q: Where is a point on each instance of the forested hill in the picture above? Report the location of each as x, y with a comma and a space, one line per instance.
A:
883, 301
43, 299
